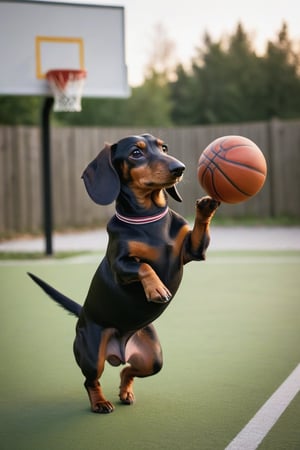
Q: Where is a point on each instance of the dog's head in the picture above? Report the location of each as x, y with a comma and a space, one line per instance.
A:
141, 163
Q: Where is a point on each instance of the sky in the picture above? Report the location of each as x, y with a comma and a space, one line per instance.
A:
186, 21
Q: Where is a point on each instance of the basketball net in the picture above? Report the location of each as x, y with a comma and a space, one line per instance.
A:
67, 87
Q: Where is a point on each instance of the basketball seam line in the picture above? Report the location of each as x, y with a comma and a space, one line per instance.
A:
225, 176
235, 163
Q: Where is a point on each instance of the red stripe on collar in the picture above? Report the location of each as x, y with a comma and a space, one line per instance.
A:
142, 220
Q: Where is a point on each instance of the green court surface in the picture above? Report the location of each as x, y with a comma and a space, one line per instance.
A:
230, 338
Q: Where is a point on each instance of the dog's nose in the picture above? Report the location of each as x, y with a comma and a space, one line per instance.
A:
177, 168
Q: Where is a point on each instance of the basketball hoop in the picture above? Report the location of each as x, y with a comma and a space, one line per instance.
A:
66, 86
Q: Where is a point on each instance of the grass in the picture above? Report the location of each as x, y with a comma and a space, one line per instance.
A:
230, 338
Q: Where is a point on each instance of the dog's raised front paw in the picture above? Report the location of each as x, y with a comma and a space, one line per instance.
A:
206, 206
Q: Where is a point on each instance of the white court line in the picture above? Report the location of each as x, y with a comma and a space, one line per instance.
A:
254, 432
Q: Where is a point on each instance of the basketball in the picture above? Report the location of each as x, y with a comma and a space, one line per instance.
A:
232, 169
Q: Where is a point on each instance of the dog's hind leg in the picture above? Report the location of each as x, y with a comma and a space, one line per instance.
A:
90, 352
144, 356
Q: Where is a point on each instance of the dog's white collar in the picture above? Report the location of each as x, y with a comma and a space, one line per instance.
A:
142, 220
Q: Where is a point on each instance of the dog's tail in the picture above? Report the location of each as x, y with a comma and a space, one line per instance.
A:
62, 300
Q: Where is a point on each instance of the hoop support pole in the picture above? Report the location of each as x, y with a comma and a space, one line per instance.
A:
46, 173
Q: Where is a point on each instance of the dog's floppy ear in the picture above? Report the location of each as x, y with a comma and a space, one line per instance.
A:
101, 179
174, 193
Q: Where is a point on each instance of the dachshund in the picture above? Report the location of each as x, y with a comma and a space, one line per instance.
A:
142, 269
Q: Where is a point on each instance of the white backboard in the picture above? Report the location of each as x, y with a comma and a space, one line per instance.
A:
38, 36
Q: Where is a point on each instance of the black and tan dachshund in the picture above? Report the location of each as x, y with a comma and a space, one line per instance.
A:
143, 266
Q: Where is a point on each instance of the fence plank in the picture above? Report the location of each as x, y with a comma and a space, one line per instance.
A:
33, 179
9, 205
3, 170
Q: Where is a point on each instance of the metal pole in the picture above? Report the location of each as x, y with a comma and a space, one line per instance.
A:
46, 178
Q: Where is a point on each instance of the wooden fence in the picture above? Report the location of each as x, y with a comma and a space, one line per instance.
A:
73, 148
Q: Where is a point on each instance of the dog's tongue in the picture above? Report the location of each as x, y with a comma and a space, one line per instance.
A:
174, 193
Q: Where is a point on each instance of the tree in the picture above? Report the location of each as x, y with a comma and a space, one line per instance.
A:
184, 108
225, 78
17, 110
96, 112
281, 66
150, 103
230, 83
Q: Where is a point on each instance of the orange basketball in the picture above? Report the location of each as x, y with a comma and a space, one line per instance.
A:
232, 169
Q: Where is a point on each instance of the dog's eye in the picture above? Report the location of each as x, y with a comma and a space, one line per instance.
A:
164, 148
136, 153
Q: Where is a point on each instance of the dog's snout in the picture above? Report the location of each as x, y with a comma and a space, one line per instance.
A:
177, 168
178, 171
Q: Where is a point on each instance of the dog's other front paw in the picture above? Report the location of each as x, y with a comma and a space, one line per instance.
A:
159, 294
154, 288
206, 207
